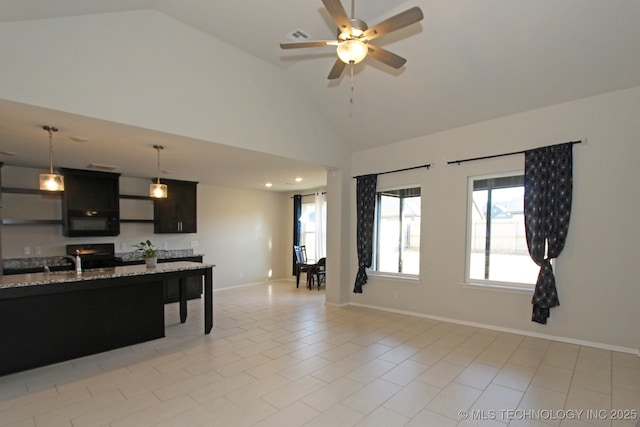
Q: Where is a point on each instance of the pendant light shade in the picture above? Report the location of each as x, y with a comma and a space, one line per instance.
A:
51, 181
158, 190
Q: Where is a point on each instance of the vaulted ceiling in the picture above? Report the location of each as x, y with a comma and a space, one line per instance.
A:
468, 61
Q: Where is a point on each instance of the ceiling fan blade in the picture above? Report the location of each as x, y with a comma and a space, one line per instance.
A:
338, 14
386, 57
337, 69
401, 20
318, 43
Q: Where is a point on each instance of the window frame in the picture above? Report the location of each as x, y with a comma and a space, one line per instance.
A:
373, 271
487, 283
305, 232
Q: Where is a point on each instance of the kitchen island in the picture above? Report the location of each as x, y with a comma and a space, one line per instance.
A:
51, 317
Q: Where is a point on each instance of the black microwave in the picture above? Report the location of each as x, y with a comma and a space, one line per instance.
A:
78, 223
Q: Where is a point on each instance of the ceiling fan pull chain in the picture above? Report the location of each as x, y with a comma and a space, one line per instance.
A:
351, 74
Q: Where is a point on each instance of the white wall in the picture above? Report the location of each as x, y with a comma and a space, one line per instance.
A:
242, 232
596, 274
245, 233
339, 237
145, 69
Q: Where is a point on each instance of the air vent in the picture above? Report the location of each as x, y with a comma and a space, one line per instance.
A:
79, 138
298, 36
101, 167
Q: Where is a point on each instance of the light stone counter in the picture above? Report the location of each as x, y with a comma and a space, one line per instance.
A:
41, 279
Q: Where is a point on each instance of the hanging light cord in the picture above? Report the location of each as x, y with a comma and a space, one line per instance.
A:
158, 148
50, 129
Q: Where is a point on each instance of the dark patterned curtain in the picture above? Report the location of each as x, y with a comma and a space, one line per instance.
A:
366, 205
297, 213
548, 186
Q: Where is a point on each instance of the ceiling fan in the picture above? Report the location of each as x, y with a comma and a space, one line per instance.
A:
354, 36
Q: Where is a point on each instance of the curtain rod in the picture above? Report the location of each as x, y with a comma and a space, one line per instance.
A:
307, 195
502, 155
397, 170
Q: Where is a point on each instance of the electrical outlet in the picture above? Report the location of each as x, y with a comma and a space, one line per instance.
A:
27, 250
38, 250
123, 246
165, 245
194, 243
395, 294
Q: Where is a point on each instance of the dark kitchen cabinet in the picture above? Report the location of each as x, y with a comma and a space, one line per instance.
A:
171, 291
90, 203
178, 212
1, 272
193, 283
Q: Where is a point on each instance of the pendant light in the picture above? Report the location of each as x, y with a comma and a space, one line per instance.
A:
51, 181
157, 190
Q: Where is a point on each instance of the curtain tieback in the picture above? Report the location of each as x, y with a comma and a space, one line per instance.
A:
361, 279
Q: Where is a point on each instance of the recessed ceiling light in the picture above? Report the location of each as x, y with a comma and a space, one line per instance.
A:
268, 184
298, 179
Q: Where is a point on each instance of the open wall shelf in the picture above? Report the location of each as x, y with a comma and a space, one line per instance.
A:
36, 192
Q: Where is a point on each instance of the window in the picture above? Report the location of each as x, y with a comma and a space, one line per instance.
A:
312, 233
497, 248
308, 229
397, 239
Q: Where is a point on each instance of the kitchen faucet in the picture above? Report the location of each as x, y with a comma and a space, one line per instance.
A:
77, 262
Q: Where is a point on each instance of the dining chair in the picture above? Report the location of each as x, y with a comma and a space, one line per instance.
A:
301, 262
319, 270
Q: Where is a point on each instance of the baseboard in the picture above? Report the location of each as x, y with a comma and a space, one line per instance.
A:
244, 285
508, 330
238, 286
332, 304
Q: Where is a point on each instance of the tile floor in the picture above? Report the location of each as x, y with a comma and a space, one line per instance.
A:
278, 356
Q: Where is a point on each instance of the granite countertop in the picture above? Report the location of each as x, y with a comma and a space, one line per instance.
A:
162, 254
40, 279
58, 261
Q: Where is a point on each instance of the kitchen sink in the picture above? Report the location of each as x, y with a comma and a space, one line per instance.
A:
60, 272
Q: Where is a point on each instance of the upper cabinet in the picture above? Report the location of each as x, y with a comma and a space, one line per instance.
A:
90, 203
178, 212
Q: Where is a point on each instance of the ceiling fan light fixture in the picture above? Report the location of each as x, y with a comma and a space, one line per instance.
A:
51, 181
352, 51
356, 32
